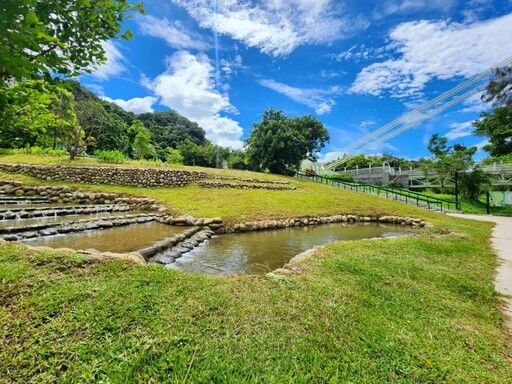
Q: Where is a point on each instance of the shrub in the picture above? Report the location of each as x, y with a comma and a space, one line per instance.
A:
115, 157
174, 156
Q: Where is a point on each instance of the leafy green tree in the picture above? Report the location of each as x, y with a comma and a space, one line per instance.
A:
54, 36
174, 156
67, 127
108, 127
198, 155
25, 113
447, 160
497, 126
237, 159
473, 183
279, 143
141, 139
499, 89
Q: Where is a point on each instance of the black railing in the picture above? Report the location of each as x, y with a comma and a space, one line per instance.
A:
410, 197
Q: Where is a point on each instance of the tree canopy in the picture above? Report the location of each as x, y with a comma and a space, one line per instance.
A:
45, 37
279, 143
497, 126
447, 160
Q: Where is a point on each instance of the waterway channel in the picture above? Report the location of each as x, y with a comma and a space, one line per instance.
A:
263, 251
118, 239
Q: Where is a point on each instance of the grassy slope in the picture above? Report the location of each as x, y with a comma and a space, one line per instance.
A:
420, 309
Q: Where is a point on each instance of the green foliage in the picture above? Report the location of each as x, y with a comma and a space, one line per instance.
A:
237, 159
141, 139
108, 125
54, 36
33, 151
114, 157
499, 89
497, 159
25, 112
198, 155
174, 156
447, 160
474, 183
279, 143
340, 177
497, 126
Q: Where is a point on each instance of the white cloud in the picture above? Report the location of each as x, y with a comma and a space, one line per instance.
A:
274, 27
475, 104
358, 53
115, 64
135, 105
319, 99
436, 50
460, 130
188, 87
390, 7
172, 32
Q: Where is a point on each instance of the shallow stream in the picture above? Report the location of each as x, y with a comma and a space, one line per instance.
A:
117, 239
263, 251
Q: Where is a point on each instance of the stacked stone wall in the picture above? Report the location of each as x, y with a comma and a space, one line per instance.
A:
139, 177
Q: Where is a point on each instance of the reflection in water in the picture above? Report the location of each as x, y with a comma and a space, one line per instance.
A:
119, 239
263, 251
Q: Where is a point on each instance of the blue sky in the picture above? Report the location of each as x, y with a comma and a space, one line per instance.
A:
355, 65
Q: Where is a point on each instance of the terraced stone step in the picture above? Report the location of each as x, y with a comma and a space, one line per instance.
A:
33, 212
79, 226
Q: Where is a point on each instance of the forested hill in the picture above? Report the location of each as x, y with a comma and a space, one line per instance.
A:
109, 124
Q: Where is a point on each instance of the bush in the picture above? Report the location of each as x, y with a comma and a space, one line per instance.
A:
340, 177
33, 151
174, 156
114, 157
310, 172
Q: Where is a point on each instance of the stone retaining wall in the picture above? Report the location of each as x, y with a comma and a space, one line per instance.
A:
63, 195
218, 225
139, 177
211, 184
246, 180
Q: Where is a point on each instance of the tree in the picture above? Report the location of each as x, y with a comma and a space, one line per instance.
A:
141, 140
279, 143
473, 183
199, 155
499, 89
174, 156
497, 126
447, 160
67, 127
25, 113
54, 36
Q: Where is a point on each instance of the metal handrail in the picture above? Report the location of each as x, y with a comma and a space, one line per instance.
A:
410, 197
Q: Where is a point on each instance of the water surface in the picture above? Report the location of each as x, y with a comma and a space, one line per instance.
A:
263, 251
117, 239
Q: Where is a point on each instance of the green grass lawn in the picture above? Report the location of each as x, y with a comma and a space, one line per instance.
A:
411, 310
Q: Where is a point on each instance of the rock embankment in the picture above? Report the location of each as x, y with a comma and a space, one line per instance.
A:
60, 194
270, 187
139, 177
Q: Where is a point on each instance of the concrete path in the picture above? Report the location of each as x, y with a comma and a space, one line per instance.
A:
502, 243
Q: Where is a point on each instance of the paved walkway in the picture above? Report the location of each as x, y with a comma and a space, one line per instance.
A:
502, 243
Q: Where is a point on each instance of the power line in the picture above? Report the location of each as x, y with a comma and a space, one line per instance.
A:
404, 119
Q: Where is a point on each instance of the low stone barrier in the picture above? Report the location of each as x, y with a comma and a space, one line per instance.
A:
139, 177
211, 184
63, 195
246, 180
